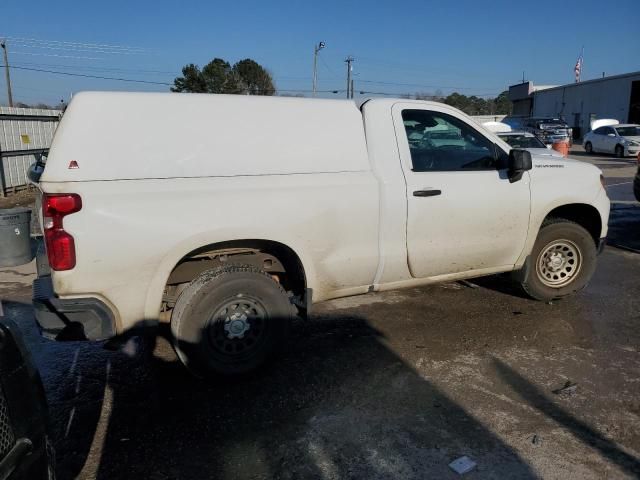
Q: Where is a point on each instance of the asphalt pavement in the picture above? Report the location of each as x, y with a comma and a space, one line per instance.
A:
388, 385
624, 230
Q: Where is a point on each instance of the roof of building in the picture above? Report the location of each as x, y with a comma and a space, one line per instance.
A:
588, 82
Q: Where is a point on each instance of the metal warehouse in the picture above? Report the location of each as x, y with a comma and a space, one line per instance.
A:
580, 103
23, 132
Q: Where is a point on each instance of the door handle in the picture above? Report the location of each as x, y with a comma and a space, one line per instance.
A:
426, 193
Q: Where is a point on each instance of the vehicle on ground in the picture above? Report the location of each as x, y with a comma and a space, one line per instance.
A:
25, 453
622, 140
549, 130
224, 216
523, 140
528, 141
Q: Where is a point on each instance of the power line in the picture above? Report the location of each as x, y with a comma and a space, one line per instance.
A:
70, 74
375, 82
80, 49
76, 44
150, 82
55, 55
99, 69
408, 95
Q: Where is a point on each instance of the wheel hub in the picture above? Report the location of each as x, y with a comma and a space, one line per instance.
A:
237, 325
558, 263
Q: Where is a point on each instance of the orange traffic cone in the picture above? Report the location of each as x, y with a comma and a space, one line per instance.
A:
562, 147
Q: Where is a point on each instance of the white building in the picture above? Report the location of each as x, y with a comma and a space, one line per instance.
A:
580, 103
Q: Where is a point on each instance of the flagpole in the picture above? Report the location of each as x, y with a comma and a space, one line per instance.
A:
578, 68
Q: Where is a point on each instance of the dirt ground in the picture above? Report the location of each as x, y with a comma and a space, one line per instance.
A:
391, 385
23, 198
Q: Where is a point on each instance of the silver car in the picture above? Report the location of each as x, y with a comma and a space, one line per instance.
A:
622, 140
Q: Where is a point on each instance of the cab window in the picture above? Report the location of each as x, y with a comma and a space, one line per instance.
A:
441, 142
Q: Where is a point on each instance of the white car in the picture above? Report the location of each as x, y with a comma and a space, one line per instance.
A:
222, 216
622, 140
528, 141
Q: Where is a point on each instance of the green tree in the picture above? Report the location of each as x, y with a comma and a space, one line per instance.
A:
503, 104
254, 79
218, 76
191, 80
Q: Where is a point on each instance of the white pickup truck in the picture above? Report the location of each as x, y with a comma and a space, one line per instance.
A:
227, 215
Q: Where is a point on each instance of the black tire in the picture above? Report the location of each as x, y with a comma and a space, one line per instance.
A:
588, 147
210, 341
619, 151
576, 249
636, 187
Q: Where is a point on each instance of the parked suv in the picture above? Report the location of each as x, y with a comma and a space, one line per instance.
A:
549, 130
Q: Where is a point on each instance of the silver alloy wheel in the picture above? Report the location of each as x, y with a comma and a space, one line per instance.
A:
558, 263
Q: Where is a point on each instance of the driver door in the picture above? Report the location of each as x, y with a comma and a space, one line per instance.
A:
463, 214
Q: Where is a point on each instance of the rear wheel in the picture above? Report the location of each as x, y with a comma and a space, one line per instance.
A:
562, 261
619, 151
588, 147
230, 321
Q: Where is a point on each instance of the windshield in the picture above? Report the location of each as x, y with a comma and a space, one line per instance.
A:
628, 131
522, 141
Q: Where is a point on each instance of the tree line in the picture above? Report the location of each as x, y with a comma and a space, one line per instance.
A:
248, 77
472, 105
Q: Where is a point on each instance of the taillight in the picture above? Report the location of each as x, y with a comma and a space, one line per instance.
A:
61, 248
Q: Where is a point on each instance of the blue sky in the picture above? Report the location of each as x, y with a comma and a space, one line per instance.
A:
474, 47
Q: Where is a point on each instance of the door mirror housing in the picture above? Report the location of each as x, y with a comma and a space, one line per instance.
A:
519, 162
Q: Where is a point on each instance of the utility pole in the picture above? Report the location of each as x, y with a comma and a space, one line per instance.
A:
3, 44
349, 61
316, 49
351, 87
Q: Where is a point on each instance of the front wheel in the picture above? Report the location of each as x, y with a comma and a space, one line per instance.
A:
230, 320
619, 151
562, 261
588, 147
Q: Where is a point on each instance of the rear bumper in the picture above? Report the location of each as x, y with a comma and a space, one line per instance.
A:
70, 319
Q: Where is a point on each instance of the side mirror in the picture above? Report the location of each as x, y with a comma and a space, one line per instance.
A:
611, 134
519, 162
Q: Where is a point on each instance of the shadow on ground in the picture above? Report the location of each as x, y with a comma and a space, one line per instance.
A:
624, 226
535, 398
337, 404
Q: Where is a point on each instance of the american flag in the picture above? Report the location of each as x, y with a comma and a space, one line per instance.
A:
578, 68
